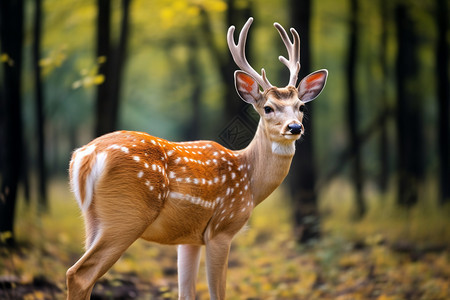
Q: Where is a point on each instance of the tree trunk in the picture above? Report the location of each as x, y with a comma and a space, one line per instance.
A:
410, 161
108, 93
443, 97
302, 177
104, 116
236, 17
383, 176
41, 171
117, 66
11, 43
352, 109
240, 118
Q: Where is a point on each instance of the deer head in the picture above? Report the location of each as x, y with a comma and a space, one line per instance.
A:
281, 109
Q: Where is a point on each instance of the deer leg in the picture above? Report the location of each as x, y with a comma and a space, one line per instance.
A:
188, 263
217, 250
103, 252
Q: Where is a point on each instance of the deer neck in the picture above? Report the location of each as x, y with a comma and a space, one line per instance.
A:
269, 161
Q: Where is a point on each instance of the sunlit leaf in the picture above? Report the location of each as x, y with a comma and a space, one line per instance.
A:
5, 58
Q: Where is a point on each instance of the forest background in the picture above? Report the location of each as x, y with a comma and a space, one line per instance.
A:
368, 195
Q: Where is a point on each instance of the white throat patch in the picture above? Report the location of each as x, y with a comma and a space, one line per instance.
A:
283, 149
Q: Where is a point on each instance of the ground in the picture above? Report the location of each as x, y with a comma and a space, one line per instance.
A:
390, 254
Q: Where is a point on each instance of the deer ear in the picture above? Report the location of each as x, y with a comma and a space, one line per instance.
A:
246, 87
311, 86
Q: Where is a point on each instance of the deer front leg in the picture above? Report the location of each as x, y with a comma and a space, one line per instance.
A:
217, 250
188, 263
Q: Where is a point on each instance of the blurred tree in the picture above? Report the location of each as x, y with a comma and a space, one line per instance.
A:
106, 110
11, 43
383, 176
443, 97
409, 121
193, 129
237, 14
352, 109
302, 178
111, 59
39, 98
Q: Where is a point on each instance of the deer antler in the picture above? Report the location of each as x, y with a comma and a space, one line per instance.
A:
238, 53
293, 49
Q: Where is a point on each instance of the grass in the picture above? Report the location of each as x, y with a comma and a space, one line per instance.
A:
354, 260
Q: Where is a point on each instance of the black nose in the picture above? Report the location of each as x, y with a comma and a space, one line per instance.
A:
295, 128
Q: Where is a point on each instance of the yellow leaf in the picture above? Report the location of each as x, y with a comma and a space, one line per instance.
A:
5, 236
99, 79
4, 57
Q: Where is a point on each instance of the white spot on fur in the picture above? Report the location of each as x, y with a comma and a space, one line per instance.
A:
192, 199
124, 150
140, 174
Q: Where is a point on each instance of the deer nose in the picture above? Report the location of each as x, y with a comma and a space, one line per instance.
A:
295, 128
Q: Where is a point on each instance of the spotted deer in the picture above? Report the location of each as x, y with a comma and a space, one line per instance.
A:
132, 185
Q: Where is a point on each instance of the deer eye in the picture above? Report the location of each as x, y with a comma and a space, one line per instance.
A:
268, 109
302, 108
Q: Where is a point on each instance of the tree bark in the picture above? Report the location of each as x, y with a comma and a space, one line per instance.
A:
240, 120
383, 176
237, 17
11, 43
352, 110
443, 97
40, 119
104, 111
108, 93
409, 129
302, 177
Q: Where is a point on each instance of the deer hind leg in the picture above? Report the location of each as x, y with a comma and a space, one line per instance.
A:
188, 263
104, 251
109, 236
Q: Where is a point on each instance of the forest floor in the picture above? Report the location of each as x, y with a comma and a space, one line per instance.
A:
390, 254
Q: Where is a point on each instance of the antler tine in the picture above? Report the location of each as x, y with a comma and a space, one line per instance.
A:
293, 49
238, 53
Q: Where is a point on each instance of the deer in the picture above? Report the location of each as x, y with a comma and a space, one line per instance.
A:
131, 185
